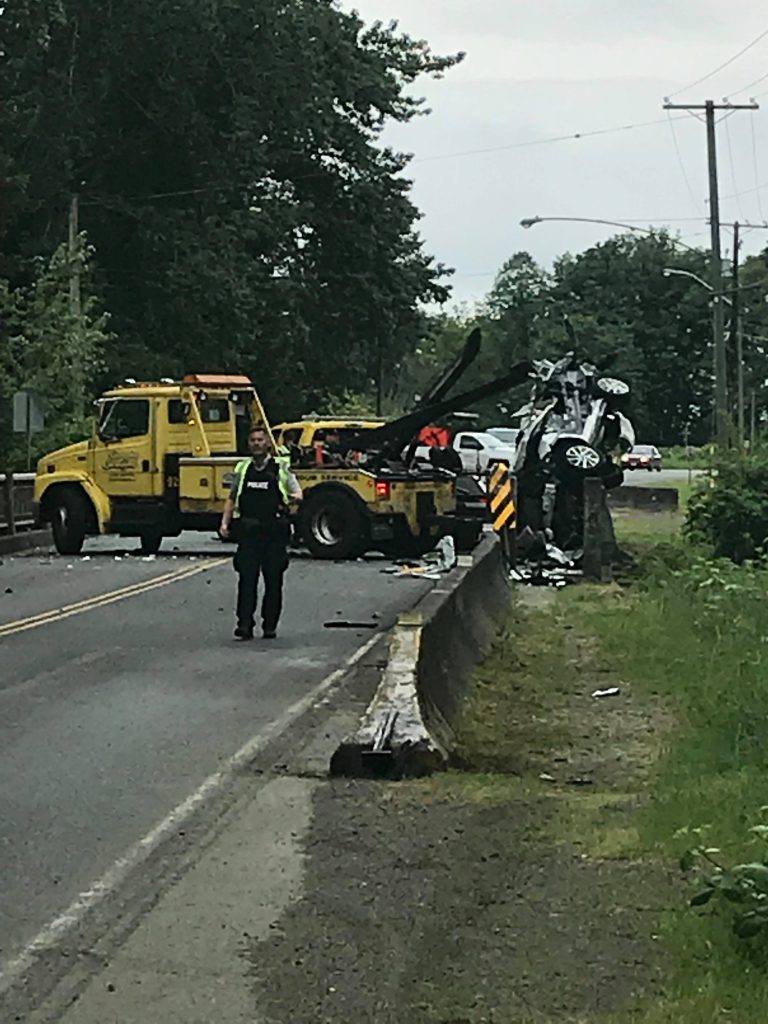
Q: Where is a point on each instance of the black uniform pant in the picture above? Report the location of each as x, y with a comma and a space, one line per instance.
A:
266, 556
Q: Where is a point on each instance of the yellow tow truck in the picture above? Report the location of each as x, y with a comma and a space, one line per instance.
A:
161, 460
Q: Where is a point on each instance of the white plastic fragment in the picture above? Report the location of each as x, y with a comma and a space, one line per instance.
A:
611, 691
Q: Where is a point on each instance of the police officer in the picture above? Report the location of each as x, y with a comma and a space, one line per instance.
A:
256, 513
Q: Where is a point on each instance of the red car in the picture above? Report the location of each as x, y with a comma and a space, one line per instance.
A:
642, 456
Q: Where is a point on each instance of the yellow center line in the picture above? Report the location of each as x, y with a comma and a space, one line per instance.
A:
127, 590
100, 600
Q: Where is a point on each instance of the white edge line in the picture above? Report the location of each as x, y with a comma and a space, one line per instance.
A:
85, 901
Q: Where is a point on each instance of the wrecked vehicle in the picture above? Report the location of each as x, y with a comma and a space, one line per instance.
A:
570, 428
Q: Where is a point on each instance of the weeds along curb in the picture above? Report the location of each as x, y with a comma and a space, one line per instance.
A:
433, 649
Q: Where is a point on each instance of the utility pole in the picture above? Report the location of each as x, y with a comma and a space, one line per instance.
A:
74, 270
737, 333
716, 261
379, 375
75, 297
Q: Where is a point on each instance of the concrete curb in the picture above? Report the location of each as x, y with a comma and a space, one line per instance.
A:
645, 499
25, 541
406, 730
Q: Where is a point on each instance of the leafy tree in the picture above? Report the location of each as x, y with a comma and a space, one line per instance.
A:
231, 177
52, 347
753, 299
629, 318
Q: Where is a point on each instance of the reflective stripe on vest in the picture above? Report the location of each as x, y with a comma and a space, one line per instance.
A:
283, 467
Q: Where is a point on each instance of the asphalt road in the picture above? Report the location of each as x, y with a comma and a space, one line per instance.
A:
115, 703
666, 478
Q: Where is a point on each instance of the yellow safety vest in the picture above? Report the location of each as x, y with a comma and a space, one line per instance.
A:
283, 468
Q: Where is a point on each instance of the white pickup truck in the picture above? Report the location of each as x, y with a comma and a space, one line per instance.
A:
477, 450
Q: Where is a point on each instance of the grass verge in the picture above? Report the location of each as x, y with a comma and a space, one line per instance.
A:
684, 748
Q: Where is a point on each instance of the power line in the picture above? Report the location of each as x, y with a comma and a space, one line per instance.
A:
746, 191
711, 108
754, 165
749, 85
543, 142
680, 160
229, 186
731, 161
720, 67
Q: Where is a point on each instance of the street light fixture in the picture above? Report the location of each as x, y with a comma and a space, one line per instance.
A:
529, 222
669, 271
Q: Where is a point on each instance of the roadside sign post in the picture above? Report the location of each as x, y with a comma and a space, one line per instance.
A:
28, 418
502, 491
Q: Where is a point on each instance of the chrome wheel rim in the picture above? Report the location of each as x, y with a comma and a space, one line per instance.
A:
582, 456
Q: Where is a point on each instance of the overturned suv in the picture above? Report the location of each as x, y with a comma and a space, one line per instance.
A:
572, 424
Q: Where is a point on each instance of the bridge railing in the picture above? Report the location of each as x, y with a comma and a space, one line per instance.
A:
16, 507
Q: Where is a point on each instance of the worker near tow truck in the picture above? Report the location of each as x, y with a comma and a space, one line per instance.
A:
256, 515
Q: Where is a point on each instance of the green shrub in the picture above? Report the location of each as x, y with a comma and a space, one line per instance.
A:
741, 890
679, 457
732, 515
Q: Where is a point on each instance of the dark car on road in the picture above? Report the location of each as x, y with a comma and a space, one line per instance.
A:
642, 456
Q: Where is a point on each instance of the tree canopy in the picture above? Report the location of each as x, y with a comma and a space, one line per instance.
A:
650, 327
227, 160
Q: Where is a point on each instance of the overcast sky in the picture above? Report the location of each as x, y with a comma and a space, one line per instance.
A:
541, 68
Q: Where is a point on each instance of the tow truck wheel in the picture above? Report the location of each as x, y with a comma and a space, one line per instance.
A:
150, 542
333, 526
69, 517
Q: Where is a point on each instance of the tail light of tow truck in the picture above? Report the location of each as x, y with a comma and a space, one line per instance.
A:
383, 490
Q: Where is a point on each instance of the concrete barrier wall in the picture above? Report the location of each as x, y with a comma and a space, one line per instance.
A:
645, 499
458, 629
433, 651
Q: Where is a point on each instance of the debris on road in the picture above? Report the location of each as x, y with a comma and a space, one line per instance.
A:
611, 691
346, 624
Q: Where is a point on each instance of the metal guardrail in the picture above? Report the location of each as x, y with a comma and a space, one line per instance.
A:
16, 508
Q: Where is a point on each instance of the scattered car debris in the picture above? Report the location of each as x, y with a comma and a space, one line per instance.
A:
611, 691
346, 624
